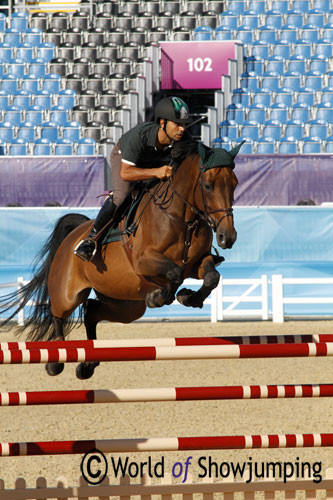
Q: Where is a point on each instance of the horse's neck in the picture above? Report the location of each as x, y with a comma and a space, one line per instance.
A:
184, 182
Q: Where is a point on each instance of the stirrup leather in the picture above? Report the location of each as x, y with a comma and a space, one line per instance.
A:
86, 240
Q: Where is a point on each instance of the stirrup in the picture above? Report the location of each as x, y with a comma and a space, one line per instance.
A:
86, 240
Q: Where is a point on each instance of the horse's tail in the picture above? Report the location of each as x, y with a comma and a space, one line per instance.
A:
39, 320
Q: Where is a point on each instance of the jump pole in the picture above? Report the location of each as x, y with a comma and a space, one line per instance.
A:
70, 355
169, 342
167, 444
165, 394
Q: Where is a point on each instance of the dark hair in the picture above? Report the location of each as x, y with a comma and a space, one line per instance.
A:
305, 202
52, 204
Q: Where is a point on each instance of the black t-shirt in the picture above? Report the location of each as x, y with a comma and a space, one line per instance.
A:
138, 147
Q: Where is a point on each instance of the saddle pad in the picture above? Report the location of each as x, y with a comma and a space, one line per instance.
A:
111, 235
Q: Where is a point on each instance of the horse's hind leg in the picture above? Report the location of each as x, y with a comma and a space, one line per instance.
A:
106, 309
56, 368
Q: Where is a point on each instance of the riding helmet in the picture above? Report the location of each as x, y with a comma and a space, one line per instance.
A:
173, 109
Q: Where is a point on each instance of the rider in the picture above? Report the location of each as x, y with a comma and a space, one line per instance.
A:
142, 153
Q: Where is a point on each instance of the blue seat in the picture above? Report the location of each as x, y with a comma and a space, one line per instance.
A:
327, 32
202, 33
273, 18
225, 143
3, 18
267, 34
16, 67
19, 20
30, 83
223, 33
319, 63
257, 113
18, 147
10, 83
46, 50
326, 95
247, 147
316, 17
229, 20
66, 98
318, 128
244, 34
6, 131
52, 83
50, 131
323, 48
37, 67
311, 145
302, 5
265, 146
42, 147
309, 32
313, 80
64, 147
292, 80
22, 98
13, 115
6, 52
301, 112
249, 80
235, 112
281, 48
270, 80
297, 64
258, 6
72, 131
306, 96
272, 129
276, 64
250, 130
280, 5
43, 98
59, 115
288, 33
236, 6
329, 144
260, 49
27, 131
294, 18
250, 19
228, 129
34, 114
325, 111
254, 64
12, 36
241, 96
278, 112
303, 48
329, 77
25, 52
34, 36
288, 146
262, 97
294, 128
284, 96
322, 5
86, 147
217, 143
4, 99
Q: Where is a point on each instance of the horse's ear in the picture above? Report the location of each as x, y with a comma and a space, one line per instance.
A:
204, 152
234, 151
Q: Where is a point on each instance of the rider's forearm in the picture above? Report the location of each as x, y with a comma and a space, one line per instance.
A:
132, 173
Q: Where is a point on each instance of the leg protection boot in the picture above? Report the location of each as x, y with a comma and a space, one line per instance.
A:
86, 248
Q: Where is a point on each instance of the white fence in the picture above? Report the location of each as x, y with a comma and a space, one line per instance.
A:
257, 292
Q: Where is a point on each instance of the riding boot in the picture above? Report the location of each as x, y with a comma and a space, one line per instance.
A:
86, 248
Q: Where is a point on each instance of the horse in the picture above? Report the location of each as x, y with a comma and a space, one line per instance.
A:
172, 241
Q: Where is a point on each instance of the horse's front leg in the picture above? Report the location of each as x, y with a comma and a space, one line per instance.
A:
210, 276
153, 264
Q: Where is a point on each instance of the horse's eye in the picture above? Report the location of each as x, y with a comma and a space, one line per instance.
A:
208, 186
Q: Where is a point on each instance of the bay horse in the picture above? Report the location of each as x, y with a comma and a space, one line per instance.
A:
172, 242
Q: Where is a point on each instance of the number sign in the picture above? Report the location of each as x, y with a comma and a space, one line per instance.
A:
195, 65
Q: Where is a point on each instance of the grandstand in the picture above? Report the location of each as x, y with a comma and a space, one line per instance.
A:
74, 77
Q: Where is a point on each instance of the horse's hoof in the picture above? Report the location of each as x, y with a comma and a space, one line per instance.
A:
85, 371
188, 298
53, 369
152, 299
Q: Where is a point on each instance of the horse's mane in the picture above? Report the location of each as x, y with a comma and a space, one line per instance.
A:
182, 150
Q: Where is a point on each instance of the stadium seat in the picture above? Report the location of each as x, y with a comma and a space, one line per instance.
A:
275, 64
306, 96
262, 97
6, 52
37, 67
281, 48
254, 64
50, 130
257, 113
250, 130
42, 147
10, 83
25, 52
280, 5
258, 6
302, 48
265, 146
284, 96
247, 148
229, 20
4, 99
327, 32
309, 32
313, 80
249, 81
322, 5
326, 95
241, 96
270, 80
22, 98
18, 147
86, 147
33, 36
59, 115
288, 33
236, 6
13, 115
272, 129
46, 51
288, 146
260, 49
267, 34
301, 112
317, 128
294, 128
316, 17
297, 64
27, 131
12, 36
302, 5
223, 33
30, 83
72, 131
52, 83
244, 34
329, 144
34, 114
278, 112
16, 67
294, 17
43, 98
319, 63
235, 112
67, 98
273, 18
323, 48
202, 33
6, 131
250, 18
311, 145
64, 147
292, 80
228, 129
325, 111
